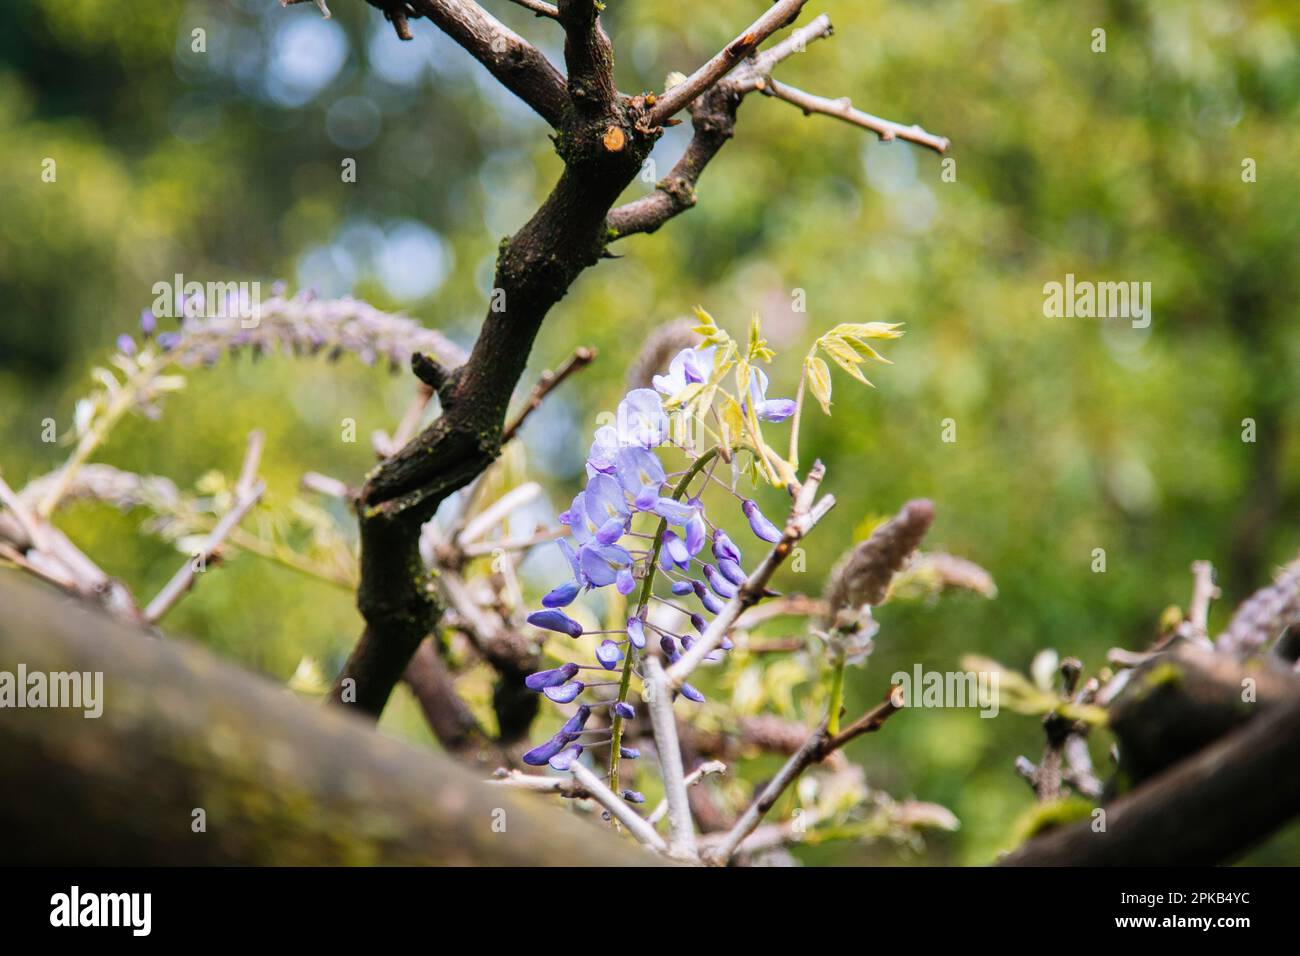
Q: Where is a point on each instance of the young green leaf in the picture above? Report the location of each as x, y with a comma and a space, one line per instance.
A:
819, 381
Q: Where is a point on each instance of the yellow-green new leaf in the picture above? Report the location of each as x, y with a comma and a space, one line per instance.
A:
868, 330
819, 381
844, 356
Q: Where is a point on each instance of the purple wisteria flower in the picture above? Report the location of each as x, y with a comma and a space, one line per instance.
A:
758, 522
768, 410
554, 620
688, 367
627, 482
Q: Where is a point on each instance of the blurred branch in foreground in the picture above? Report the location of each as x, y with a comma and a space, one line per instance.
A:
279, 780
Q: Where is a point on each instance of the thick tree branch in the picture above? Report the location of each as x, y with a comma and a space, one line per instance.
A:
603, 139
279, 781
534, 270
713, 117
517, 64
1238, 790
450, 720
1180, 700
588, 56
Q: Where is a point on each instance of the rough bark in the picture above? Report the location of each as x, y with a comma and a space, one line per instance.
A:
1179, 701
1208, 809
535, 268
281, 781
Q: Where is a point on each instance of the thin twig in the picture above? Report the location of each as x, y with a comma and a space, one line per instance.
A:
515, 544
247, 494
580, 359
869, 722
753, 814
816, 748
1203, 592
842, 108
564, 786
691, 779
326, 486
678, 97
761, 64
252, 460
498, 511
803, 517
540, 8
29, 524
183, 579
38, 565
616, 806
681, 828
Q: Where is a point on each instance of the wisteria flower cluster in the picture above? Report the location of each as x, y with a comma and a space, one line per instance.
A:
638, 524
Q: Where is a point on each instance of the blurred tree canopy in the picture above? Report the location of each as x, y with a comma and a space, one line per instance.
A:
216, 154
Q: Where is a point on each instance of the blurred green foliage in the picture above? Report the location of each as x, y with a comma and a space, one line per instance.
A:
1072, 434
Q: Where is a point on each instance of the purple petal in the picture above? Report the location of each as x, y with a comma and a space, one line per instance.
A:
698, 622
625, 582
696, 529
601, 563
543, 752
759, 524
676, 549
690, 693
148, 323
732, 571
571, 556
609, 654
676, 512
629, 753
711, 603
683, 588
565, 693
577, 520
552, 678
725, 548
565, 758
775, 410
610, 531
126, 344
633, 796
636, 632
641, 419
721, 586
604, 449
625, 710
639, 471
574, 724
562, 595
603, 499
554, 620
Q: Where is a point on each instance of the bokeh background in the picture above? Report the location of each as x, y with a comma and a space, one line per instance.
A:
1072, 434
